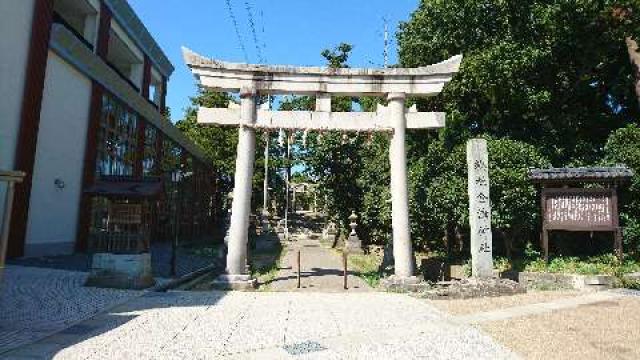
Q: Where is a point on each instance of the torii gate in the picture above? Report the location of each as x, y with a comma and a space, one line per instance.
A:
323, 83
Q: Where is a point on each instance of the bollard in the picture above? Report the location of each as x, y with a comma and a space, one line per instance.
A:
299, 269
344, 263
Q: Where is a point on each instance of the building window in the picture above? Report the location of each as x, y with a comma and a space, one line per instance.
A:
150, 158
156, 88
117, 139
80, 17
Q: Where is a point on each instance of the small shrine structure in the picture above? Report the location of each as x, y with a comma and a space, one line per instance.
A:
120, 235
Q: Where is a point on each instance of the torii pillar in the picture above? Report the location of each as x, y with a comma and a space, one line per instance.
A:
402, 247
237, 277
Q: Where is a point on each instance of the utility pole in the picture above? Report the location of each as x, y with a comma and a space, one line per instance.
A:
386, 42
288, 184
265, 189
265, 197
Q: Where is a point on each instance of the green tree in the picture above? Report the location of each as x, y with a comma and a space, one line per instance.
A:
218, 143
537, 71
623, 148
332, 158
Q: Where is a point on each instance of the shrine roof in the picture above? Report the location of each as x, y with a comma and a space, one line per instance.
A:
309, 80
449, 66
592, 174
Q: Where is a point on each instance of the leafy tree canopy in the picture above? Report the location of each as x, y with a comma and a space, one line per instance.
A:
538, 71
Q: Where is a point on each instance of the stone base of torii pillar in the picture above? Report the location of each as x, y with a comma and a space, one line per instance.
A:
234, 282
396, 283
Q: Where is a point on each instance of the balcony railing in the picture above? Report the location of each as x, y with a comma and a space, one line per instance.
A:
125, 78
58, 19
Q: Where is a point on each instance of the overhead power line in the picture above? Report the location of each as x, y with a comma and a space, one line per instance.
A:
252, 24
264, 35
237, 29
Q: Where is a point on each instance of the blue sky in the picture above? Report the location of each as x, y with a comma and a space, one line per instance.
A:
295, 32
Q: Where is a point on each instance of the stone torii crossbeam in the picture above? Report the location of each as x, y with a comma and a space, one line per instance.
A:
252, 80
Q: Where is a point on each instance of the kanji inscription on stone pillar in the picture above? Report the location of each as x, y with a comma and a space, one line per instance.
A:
479, 209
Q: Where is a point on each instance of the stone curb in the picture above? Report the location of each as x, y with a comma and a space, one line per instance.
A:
183, 279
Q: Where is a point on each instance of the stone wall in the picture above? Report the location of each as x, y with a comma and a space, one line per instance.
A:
548, 281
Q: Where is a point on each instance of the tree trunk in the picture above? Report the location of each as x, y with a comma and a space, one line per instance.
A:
634, 56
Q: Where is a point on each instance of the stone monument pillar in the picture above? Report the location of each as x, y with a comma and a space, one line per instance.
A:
236, 276
402, 247
479, 209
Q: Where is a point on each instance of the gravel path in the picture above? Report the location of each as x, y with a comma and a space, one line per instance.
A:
272, 325
322, 270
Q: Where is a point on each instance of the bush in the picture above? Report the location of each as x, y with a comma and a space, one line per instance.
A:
604, 264
440, 200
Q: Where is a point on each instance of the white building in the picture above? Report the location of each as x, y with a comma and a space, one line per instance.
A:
82, 92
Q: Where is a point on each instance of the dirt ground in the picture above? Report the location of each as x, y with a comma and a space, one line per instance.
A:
601, 330
472, 306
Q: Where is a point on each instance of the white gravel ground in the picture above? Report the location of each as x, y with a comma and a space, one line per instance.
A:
238, 325
36, 302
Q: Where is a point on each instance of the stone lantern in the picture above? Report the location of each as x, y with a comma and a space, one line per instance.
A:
353, 244
329, 235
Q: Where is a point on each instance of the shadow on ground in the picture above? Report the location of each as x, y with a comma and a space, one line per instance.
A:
110, 320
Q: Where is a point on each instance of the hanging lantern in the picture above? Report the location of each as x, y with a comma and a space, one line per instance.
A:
304, 137
281, 138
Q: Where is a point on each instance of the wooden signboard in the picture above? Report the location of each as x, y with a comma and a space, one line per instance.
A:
580, 209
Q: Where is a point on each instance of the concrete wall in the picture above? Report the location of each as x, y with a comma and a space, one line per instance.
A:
15, 35
53, 211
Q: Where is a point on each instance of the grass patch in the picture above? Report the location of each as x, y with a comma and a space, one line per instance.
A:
596, 265
629, 284
607, 264
265, 265
366, 267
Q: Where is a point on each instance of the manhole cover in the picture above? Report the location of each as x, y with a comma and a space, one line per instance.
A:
303, 348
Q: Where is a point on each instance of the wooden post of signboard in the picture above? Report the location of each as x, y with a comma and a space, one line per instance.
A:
617, 233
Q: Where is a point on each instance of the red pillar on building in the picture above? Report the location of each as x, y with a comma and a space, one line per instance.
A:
30, 121
91, 150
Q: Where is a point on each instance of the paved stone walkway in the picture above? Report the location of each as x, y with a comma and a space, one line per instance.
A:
268, 325
322, 269
36, 302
